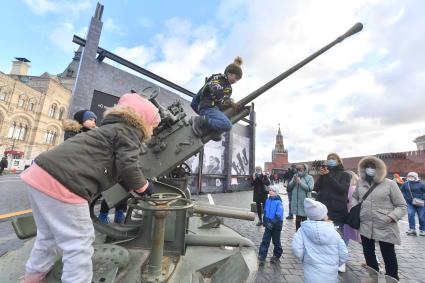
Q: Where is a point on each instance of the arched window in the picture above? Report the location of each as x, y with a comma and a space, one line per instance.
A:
32, 104
21, 101
50, 137
61, 112
52, 110
17, 131
4, 91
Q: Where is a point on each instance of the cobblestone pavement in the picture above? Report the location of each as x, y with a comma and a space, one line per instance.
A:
410, 254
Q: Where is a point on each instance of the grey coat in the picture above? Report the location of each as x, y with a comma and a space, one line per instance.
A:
383, 207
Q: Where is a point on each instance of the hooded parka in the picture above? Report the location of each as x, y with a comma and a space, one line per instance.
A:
383, 207
115, 147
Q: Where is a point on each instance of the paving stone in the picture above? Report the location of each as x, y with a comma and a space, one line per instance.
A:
410, 253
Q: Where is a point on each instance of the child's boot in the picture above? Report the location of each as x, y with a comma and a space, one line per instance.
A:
199, 125
119, 216
103, 218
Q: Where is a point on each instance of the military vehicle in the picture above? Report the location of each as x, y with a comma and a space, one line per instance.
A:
166, 237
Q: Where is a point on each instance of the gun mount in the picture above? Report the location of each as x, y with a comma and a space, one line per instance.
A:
162, 238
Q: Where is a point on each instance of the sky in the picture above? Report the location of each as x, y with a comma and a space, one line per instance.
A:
364, 96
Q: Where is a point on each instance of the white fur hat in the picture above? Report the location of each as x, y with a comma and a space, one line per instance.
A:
315, 210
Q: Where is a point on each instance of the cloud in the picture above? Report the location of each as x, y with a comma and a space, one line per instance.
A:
62, 35
364, 96
71, 8
110, 26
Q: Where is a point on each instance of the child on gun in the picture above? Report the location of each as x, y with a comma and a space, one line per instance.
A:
273, 218
63, 179
318, 245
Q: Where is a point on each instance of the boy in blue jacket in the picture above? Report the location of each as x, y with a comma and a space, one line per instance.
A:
273, 218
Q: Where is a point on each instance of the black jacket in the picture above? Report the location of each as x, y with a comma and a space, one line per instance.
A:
332, 191
72, 128
260, 182
94, 161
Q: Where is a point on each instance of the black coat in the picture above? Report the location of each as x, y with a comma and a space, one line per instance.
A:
332, 191
260, 183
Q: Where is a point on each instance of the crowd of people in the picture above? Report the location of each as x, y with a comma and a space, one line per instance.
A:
321, 232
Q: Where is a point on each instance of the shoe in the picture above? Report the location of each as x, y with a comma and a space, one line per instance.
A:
199, 125
34, 278
103, 218
411, 232
119, 216
274, 259
259, 223
261, 261
421, 233
290, 217
342, 268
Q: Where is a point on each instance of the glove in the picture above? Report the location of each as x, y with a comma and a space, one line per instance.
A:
236, 107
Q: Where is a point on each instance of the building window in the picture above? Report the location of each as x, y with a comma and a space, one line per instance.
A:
31, 106
52, 110
3, 93
50, 137
61, 112
17, 131
21, 101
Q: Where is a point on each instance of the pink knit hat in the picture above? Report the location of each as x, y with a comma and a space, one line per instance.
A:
143, 107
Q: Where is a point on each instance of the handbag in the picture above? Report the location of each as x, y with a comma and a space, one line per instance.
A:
353, 217
415, 201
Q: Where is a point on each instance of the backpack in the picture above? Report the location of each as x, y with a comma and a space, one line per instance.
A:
197, 98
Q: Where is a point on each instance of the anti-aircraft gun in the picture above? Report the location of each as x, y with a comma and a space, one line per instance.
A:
161, 240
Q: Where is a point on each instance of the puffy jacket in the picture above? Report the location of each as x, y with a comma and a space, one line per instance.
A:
384, 206
321, 249
273, 210
417, 188
215, 92
332, 191
94, 161
72, 128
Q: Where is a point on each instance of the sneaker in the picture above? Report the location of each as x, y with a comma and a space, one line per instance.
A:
421, 233
259, 223
411, 232
342, 268
119, 216
274, 259
103, 218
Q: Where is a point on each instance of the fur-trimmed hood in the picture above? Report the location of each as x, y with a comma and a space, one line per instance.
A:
71, 126
129, 116
381, 168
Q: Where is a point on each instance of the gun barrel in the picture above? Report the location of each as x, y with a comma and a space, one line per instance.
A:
244, 101
223, 211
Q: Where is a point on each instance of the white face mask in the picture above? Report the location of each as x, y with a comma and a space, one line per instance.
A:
370, 172
411, 179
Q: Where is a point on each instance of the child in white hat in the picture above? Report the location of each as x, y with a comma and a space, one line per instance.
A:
318, 245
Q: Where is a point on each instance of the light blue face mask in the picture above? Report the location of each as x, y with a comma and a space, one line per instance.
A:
370, 172
331, 163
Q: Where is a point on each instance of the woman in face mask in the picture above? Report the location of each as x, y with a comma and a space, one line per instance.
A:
379, 213
332, 189
414, 188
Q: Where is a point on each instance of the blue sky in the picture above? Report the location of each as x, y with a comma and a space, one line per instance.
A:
364, 96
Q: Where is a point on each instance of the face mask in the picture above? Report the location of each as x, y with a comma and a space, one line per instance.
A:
410, 178
370, 172
300, 173
331, 163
